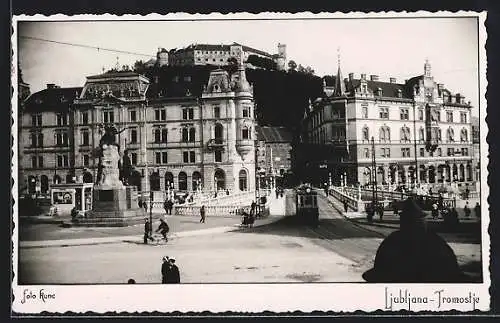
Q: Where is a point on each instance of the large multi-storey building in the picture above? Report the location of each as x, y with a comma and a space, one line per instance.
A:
210, 54
274, 145
184, 143
405, 133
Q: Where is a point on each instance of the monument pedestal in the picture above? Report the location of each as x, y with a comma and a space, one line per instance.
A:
114, 207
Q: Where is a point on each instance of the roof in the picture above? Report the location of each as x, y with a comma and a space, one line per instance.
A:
110, 74
212, 47
388, 89
273, 134
53, 99
250, 49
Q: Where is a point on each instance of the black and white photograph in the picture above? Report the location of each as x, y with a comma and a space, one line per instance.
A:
256, 156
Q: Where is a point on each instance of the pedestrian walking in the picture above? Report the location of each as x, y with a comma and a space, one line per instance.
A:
145, 205
174, 276
148, 228
467, 210
346, 207
477, 210
252, 208
227, 191
165, 270
164, 229
165, 206
467, 192
380, 210
202, 214
395, 207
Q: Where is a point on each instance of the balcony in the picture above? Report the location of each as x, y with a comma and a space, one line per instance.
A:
215, 144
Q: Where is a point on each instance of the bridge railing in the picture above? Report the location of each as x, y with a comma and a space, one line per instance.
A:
348, 197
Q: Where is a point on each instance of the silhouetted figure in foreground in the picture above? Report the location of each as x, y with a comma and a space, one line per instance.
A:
131, 281
413, 254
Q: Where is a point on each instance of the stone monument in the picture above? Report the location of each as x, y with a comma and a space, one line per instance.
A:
114, 204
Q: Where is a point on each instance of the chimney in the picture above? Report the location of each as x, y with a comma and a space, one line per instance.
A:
392, 79
351, 76
363, 76
51, 86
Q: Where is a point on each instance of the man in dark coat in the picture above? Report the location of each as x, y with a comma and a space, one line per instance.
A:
477, 210
202, 214
414, 254
148, 228
165, 270
174, 276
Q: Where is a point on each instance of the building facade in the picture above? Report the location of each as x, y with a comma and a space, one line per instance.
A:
416, 132
183, 143
274, 145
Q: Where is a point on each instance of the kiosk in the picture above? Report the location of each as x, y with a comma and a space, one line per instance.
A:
64, 197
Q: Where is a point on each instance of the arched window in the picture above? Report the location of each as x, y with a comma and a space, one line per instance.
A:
366, 133
183, 181
405, 134
31, 184
421, 134
154, 181
464, 135
44, 183
196, 177
220, 179
245, 133
219, 131
169, 180
243, 180
385, 134
451, 135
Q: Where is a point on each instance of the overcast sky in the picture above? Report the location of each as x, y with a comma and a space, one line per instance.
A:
385, 47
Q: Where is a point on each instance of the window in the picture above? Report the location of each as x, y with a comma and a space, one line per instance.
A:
439, 153
133, 158
405, 152
61, 139
192, 134
384, 113
385, 134
465, 152
36, 139
157, 135
245, 134
188, 134
464, 135
160, 114
218, 156
164, 135
188, 114
366, 134
422, 152
216, 112
364, 112
62, 161
367, 153
86, 160
158, 157
62, 119
421, 134
438, 116
405, 134
404, 114
439, 135
449, 116
385, 152
108, 116
245, 113
164, 158
85, 117
85, 138
420, 114
463, 117
192, 157
243, 180
36, 120
450, 152
451, 135
133, 115
133, 135
37, 161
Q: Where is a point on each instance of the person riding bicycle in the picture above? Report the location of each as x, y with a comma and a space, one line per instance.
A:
163, 228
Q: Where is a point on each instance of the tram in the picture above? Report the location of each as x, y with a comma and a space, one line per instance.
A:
306, 205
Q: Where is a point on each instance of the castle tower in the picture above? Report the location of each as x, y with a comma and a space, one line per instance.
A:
427, 68
281, 58
162, 57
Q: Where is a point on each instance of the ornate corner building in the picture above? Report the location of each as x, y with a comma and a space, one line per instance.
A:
185, 143
389, 132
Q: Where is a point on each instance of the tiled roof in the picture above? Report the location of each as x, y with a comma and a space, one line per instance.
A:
273, 134
388, 89
54, 99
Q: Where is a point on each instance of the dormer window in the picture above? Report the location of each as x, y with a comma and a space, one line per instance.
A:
216, 88
379, 91
399, 93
